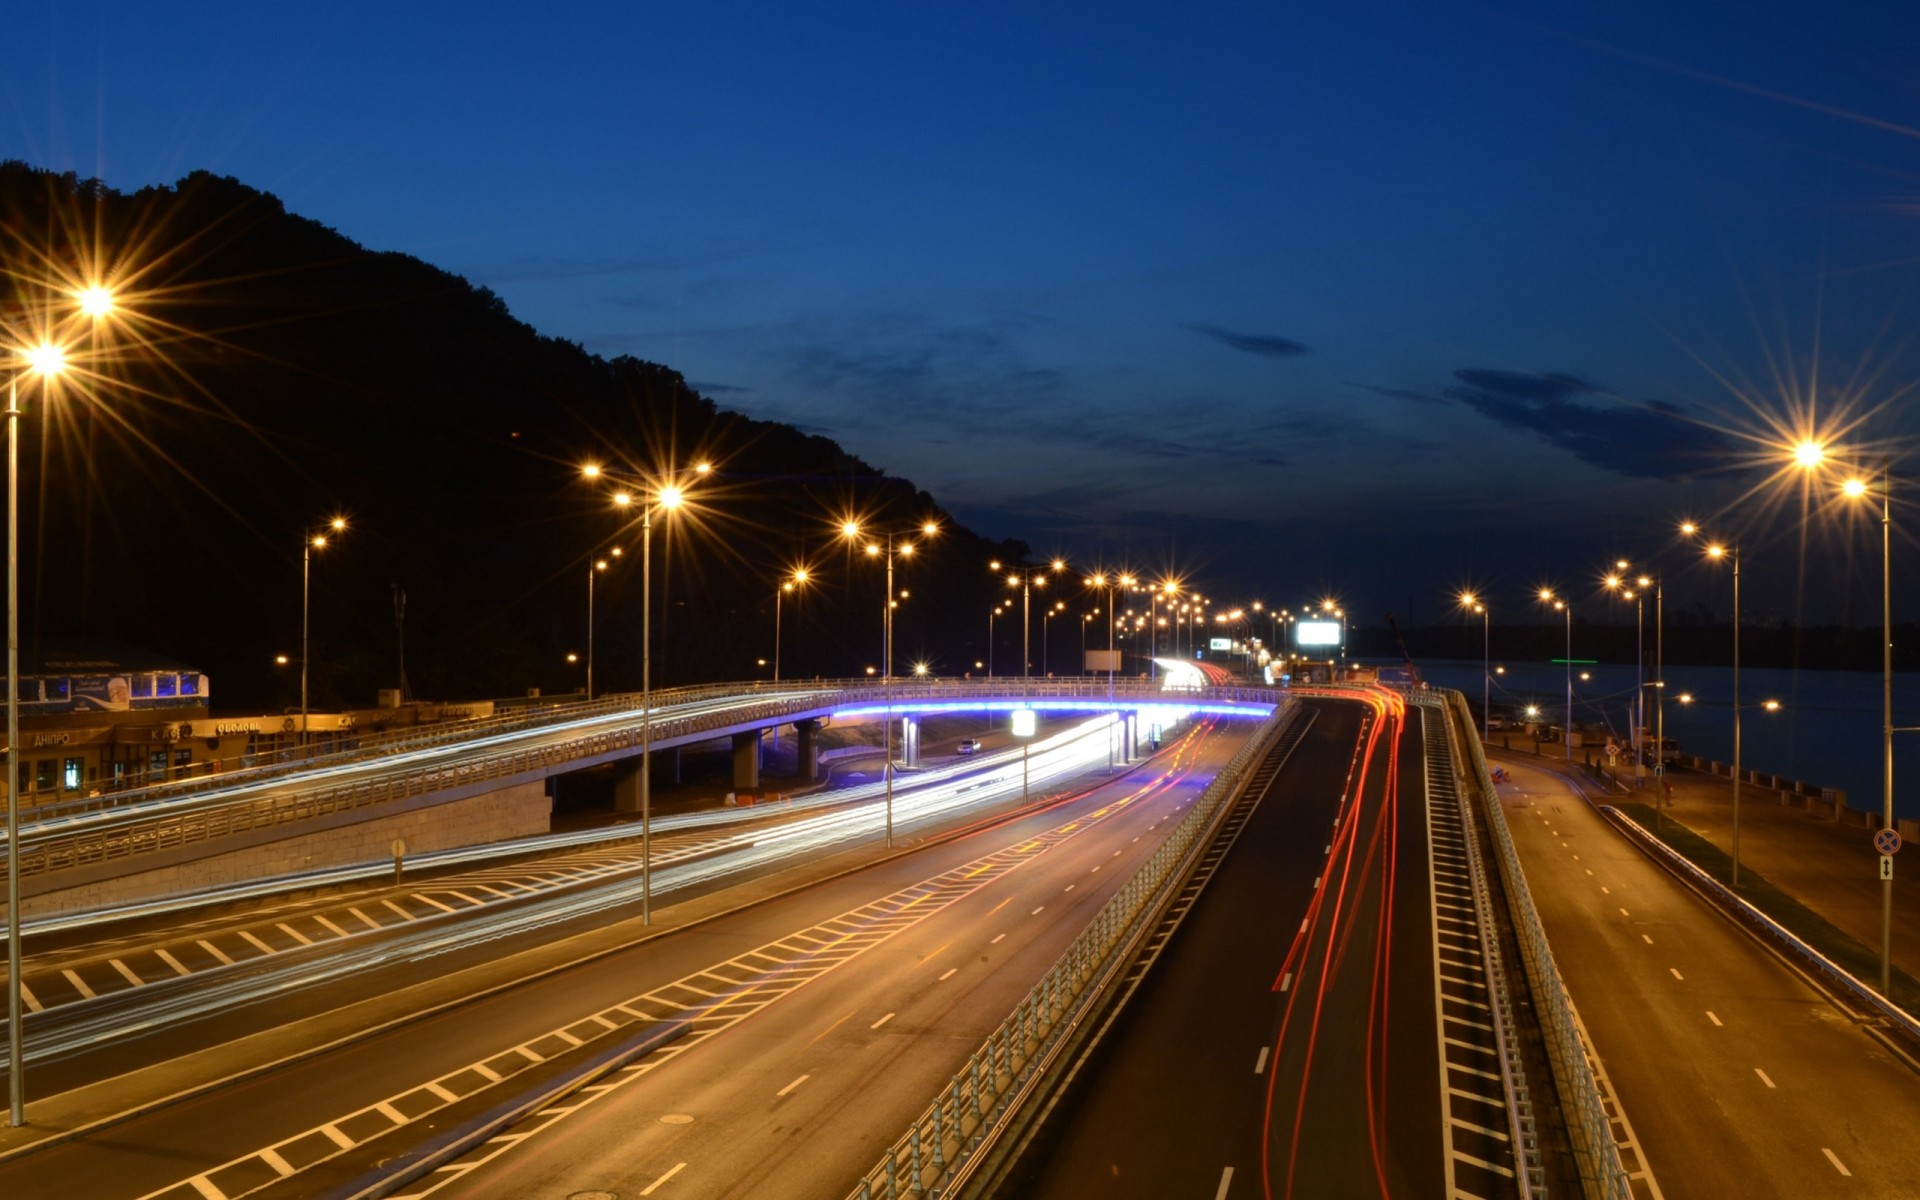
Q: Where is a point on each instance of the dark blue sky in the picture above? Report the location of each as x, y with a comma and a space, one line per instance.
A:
1377, 299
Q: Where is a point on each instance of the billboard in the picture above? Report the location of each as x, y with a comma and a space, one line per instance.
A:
1104, 660
1219, 643
1316, 633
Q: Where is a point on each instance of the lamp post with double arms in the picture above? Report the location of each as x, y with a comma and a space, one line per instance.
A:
1730, 553
897, 544
792, 583
661, 493
1472, 603
1026, 579
1547, 597
595, 567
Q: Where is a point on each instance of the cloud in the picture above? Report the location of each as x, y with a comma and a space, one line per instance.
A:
1264, 345
1635, 439
1401, 394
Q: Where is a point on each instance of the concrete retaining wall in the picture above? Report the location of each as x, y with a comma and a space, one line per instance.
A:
513, 812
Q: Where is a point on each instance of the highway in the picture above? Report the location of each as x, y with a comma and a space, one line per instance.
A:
989, 911
1287, 1042
180, 976
1738, 1078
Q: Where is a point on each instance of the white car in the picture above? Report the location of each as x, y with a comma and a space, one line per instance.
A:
968, 746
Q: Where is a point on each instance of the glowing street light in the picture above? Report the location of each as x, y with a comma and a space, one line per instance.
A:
1547, 597
1026, 579
904, 549
316, 540
594, 567
792, 583
1719, 552
1472, 603
667, 496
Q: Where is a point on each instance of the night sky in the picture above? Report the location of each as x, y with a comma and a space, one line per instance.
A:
1372, 300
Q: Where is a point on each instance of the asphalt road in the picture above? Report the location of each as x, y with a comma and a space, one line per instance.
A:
1216, 1082
1737, 1076
938, 945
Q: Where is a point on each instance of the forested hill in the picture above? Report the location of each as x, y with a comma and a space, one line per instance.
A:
263, 373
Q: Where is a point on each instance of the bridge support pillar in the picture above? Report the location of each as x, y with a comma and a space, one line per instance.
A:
746, 761
806, 763
626, 785
909, 741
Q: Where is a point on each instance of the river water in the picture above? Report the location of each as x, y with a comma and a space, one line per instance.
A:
1826, 732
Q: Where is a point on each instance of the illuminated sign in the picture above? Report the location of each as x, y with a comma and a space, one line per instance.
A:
1220, 643
1023, 722
1316, 633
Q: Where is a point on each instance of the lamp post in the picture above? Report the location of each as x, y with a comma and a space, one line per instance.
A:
315, 541
905, 549
1617, 582
1857, 488
664, 495
996, 611
1046, 621
46, 361
1547, 597
1026, 579
1731, 554
1472, 603
791, 583
594, 567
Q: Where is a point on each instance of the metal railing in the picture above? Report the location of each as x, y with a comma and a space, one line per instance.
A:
986, 1088
1522, 1132
1590, 1129
122, 831
1810, 958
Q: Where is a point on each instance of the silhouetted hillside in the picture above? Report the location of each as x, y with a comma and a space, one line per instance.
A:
266, 372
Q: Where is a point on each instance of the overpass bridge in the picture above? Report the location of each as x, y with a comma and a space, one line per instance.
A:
511, 758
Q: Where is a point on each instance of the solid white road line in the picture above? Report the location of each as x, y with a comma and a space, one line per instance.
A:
881, 1021
1677, 974
214, 950
1226, 1180
1711, 1017
951, 972
996, 940
1837, 1164
796, 1083
171, 961
1260, 1067
126, 973
1763, 1077
1036, 912
1646, 939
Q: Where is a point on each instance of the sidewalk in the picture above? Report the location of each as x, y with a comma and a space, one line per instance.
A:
1832, 869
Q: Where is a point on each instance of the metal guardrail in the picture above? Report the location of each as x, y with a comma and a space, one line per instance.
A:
45, 850
1591, 1131
981, 1094
1522, 1133
1815, 961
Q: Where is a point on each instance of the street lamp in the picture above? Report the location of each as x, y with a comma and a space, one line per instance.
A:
998, 610
1617, 582
1731, 554
45, 360
926, 530
1857, 488
1046, 620
594, 567
1472, 603
316, 540
662, 494
1547, 597
1026, 579
791, 583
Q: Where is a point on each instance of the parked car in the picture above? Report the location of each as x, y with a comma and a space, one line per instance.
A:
968, 746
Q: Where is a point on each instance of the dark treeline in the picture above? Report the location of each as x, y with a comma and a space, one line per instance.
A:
265, 372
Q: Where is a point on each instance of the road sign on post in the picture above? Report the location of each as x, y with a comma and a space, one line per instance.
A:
1887, 841
1886, 866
